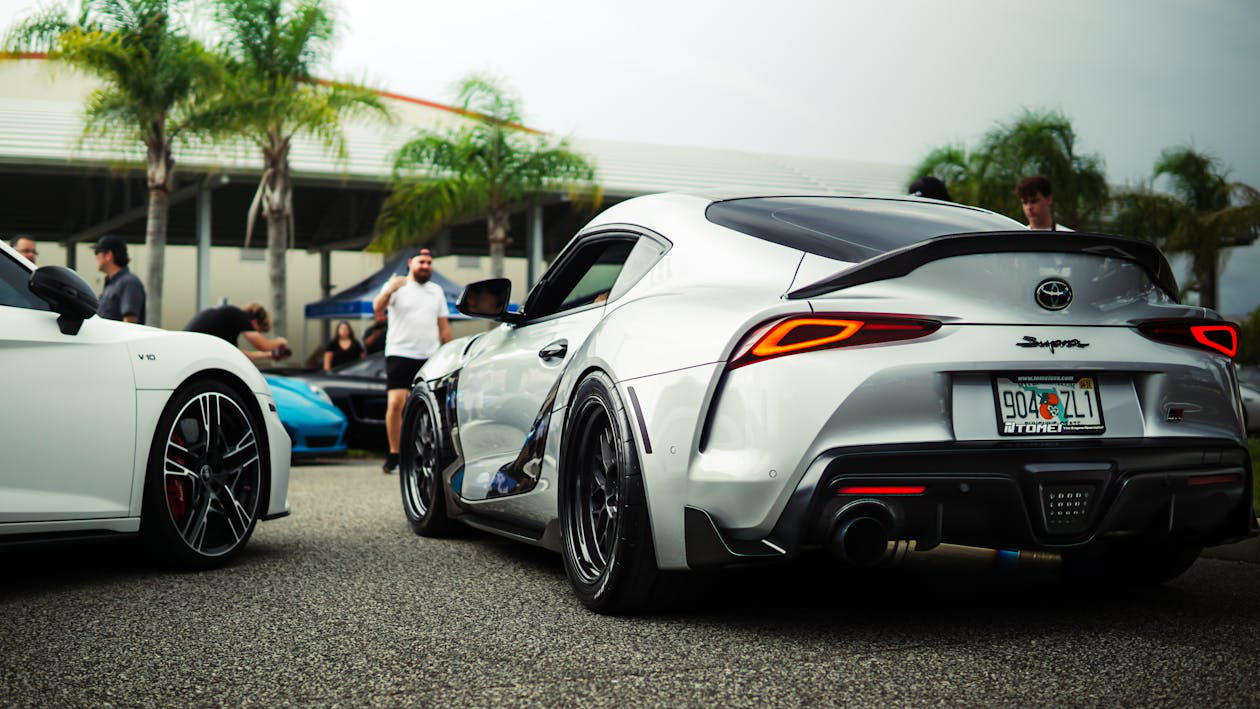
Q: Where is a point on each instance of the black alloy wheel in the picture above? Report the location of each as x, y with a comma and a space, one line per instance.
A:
594, 509
605, 535
205, 484
420, 467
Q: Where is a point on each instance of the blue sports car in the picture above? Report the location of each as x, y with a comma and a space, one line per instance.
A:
314, 424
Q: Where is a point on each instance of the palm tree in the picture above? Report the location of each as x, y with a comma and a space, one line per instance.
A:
1203, 215
155, 80
489, 165
1035, 143
274, 46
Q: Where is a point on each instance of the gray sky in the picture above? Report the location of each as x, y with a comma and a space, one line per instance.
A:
880, 81
877, 81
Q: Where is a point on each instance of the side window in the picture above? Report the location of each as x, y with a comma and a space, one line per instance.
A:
13, 289
644, 256
584, 278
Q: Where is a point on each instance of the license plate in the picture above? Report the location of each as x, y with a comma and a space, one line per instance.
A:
1047, 404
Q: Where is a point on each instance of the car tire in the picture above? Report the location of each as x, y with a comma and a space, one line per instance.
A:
605, 533
1131, 564
420, 463
207, 478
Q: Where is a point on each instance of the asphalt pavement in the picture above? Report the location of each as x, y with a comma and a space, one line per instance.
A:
341, 604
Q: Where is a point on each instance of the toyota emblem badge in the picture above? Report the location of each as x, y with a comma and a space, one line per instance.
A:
1053, 294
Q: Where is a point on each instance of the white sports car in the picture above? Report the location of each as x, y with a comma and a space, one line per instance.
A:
705, 380
110, 428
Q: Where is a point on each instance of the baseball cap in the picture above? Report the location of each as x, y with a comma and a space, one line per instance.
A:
115, 245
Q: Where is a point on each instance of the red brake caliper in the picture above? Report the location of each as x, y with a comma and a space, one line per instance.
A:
177, 498
177, 488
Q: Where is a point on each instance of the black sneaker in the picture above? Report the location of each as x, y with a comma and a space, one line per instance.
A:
391, 464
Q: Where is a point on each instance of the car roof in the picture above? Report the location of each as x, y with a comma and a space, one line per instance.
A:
724, 193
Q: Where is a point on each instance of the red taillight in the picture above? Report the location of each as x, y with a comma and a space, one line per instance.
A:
806, 333
1222, 338
1216, 336
880, 490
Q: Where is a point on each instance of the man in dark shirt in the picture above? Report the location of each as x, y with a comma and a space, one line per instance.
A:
122, 298
228, 322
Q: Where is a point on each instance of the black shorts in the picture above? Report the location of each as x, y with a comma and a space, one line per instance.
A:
400, 371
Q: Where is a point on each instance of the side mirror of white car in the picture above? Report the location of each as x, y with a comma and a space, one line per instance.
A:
67, 294
487, 299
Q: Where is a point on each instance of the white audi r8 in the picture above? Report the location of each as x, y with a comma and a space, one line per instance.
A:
704, 380
111, 428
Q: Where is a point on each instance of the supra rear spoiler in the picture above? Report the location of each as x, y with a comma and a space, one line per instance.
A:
900, 262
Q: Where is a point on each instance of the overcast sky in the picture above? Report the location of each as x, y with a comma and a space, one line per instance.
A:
883, 81
880, 81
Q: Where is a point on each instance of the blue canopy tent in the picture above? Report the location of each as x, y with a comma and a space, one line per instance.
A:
356, 301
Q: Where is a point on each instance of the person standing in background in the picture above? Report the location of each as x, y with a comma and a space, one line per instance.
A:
415, 309
122, 298
25, 245
1037, 198
343, 348
374, 335
228, 322
930, 187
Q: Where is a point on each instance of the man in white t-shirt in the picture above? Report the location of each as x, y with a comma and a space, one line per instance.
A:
416, 310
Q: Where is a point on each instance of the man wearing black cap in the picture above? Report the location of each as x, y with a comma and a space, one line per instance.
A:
122, 298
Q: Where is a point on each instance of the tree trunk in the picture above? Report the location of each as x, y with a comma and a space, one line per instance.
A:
278, 211
277, 248
497, 225
155, 247
161, 176
1208, 274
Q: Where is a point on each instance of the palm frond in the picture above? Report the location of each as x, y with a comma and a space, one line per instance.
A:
1148, 215
278, 40
498, 164
954, 166
40, 31
1196, 177
546, 169
486, 95
417, 209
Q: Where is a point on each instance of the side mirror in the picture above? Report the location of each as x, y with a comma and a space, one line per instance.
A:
487, 299
68, 294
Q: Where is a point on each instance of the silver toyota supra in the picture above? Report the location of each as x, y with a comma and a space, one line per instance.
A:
706, 380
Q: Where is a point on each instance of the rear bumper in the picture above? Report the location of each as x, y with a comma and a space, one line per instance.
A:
1017, 495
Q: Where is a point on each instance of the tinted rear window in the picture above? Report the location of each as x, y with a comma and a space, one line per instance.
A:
849, 228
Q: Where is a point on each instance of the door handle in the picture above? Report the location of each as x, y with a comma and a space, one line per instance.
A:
556, 350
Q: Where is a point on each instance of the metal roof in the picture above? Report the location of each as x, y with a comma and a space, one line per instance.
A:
41, 125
